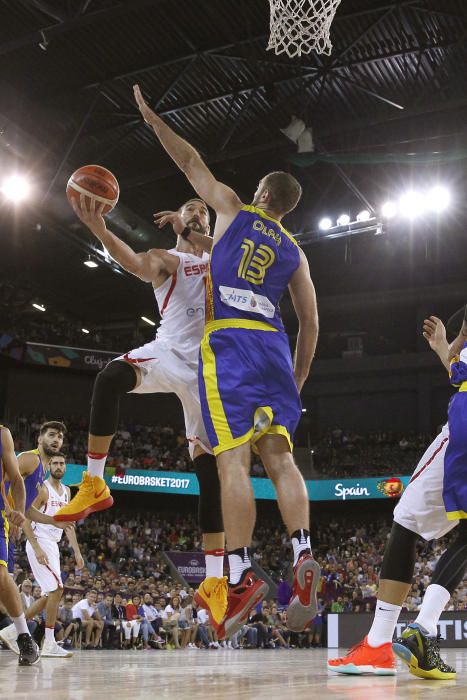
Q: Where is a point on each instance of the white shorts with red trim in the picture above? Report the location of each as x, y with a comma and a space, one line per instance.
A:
48, 577
421, 507
172, 370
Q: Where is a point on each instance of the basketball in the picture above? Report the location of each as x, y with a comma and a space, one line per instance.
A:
95, 182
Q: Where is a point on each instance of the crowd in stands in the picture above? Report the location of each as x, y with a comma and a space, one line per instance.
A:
134, 602
338, 454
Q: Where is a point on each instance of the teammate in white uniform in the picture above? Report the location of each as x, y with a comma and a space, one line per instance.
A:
168, 364
43, 553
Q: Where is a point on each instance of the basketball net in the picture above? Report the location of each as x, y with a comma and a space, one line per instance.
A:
301, 26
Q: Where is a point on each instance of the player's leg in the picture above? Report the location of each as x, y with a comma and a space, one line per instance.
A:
10, 598
419, 645
293, 502
116, 379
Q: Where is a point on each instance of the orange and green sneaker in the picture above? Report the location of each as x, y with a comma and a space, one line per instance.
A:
212, 596
93, 495
362, 659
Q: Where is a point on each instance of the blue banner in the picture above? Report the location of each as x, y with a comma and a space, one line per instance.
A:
187, 483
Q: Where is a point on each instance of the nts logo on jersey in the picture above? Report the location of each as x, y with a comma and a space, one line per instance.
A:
192, 270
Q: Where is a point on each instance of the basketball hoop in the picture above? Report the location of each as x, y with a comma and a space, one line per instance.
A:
301, 26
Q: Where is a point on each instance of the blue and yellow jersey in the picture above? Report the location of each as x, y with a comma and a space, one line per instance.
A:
458, 370
34, 480
3, 488
250, 269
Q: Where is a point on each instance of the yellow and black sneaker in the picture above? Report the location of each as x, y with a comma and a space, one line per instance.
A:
420, 652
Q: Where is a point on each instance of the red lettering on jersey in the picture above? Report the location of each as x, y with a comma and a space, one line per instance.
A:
192, 270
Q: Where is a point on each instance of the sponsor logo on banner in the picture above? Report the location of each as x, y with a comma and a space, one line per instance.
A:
392, 488
343, 492
65, 357
246, 300
190, 565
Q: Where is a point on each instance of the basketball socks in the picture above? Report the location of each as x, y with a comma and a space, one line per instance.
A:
214, 562
50, 634
96, 464
20, 624
384, 623
300, 543
434, 601
239, 561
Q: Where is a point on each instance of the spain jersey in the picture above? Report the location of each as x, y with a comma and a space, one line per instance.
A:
246, 380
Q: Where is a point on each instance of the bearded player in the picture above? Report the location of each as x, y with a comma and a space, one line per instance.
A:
434, 502
249, 386
168, 364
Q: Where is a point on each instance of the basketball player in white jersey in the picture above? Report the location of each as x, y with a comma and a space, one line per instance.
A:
168, 364
43, 553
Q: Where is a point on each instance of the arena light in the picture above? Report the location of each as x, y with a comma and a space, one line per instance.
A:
363, 215
303, 410
343, 220
325, 224
412, 204
439, 198
90, 263
39, 307
84, 330
388, 210
16, 188
148, 320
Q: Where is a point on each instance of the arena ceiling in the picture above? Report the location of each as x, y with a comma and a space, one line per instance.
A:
387, 110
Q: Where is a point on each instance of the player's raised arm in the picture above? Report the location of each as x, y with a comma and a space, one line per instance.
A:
147, 266
458, 343
303, 295
174, 218
17, 490
219, 196
434, 333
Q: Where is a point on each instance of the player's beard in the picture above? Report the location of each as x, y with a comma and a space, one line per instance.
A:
196, 226
57, 476
50, 451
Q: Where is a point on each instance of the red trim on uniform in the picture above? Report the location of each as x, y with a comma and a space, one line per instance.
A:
169, 293
60, 583
215, 552
427, 464
97, 455
135, 360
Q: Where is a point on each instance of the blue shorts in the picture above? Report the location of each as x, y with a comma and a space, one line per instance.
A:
246, 382
455, 458
4, 529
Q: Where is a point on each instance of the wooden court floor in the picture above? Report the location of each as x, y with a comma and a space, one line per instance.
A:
213, 674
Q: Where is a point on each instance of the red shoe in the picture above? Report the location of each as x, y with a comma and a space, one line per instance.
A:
241, 598
365, 659
303, 604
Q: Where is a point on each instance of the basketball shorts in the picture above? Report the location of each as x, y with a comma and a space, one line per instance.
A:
247, 385
4, 540
421, 508
455, 460
166, 370
47, 576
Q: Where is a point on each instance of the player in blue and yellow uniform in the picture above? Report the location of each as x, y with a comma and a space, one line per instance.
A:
13, 516
249, 385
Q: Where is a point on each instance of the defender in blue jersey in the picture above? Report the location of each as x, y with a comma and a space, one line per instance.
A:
13, 515
249, 385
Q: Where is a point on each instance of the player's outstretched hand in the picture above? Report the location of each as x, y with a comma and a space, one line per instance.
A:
144, 108
15, 517
170, 217
90, 215
434, 333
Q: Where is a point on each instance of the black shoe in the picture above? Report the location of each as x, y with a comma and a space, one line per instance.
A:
28, 650
420, 652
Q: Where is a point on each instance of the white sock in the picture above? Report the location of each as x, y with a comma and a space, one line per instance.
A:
384, 623
96, 464
49, 634
20, 624
214, 562
434, 601
300, 542
239, 561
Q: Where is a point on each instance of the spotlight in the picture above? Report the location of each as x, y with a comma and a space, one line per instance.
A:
16, 188
325, 224
364, 215
84, 330
439, 198
39, 307
303, 410
388, 210
148, 320
90, 262
412, 204
343, 220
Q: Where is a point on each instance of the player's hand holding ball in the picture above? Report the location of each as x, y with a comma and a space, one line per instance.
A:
90, 214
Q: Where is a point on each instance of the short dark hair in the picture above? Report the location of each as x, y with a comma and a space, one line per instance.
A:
52, 425
91, 590
284, 189
58, 454
196, 199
